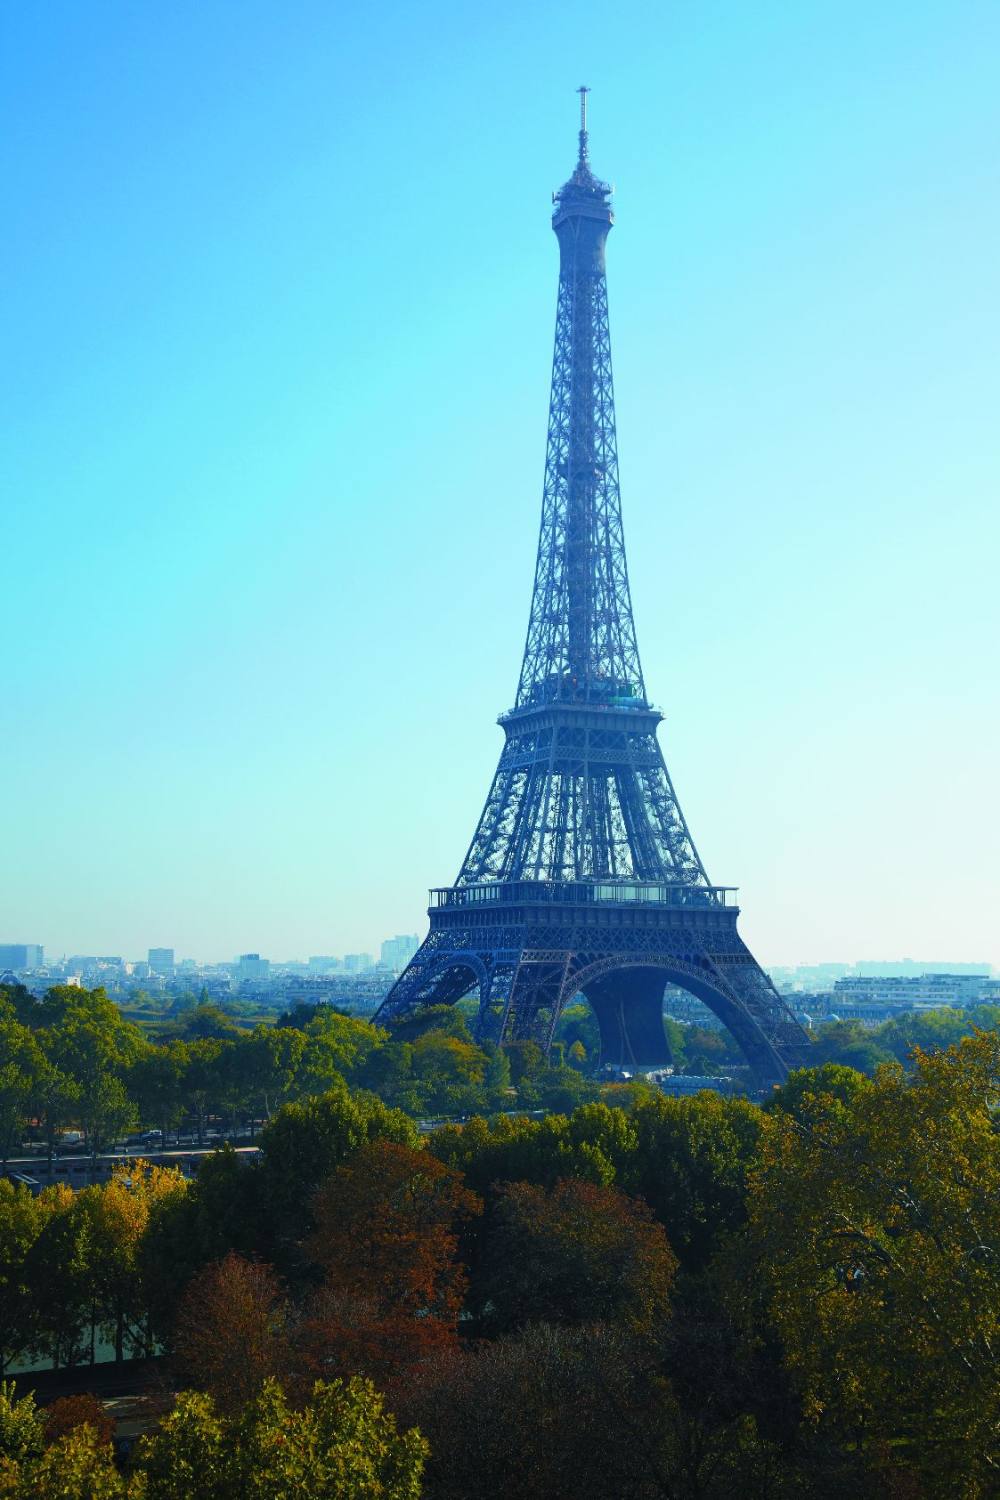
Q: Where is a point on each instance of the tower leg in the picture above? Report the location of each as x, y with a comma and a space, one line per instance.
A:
628, 1005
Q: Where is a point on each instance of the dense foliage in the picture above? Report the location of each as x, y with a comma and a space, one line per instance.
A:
640, 1297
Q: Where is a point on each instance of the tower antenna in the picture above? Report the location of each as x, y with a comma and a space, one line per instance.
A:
583, 91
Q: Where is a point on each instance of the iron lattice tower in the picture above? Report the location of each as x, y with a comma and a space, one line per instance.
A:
582, 876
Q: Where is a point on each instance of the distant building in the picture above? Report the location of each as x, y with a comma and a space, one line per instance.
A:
323, 963
252, 966
682, 1007
899, 992
161, 960
397, 951
22, 956
358, 963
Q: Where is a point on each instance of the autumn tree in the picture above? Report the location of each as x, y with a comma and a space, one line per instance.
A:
232, 1331
386, 1237
114, 1220
69, 1412
577, 1253
876, 1224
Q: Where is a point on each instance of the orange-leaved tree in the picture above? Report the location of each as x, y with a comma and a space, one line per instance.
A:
232, 1330
387, 1235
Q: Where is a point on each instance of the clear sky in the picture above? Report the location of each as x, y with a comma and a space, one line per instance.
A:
278, 292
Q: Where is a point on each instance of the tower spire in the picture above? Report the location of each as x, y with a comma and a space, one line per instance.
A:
583, 160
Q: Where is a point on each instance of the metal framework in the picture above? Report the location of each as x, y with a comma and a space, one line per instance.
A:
582, 876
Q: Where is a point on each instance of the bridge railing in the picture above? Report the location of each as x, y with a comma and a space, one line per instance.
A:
583, 892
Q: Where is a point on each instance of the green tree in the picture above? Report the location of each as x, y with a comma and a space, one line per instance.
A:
205, 1078
449, 1072
272, 1057
851, 1045
505, 1149
22, 1429
808, 1089
155, 1080
928, 1030
85, 1038
22, 1219
78, 1466
21, 1068
875, 1225
341, 1445
690, 1165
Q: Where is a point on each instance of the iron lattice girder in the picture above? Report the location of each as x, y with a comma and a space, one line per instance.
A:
528, 958
581, 792
581, 636
581, 872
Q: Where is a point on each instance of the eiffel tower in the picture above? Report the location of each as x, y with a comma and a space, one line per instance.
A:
582, 876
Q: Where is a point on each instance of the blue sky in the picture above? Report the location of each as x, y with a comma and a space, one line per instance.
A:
278, 292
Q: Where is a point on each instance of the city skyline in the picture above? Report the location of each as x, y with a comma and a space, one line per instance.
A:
242, 549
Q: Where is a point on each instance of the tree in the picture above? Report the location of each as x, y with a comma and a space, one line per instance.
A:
577, 1253
22, 1218
224, 1209
271, 1057
341, 1445
575, 1414
77, 1466
204, 1078
386, 1237
85, 1038
58, 1271
807, 1090
590, 1144
928, 1030
207, 1021
348, 1041
449, 1072
69, 1412
232, 1331
117, 1216
156, 1081
690, 1165
22, 1428
876, 1225
306, 1141
851, 1045
21, 1067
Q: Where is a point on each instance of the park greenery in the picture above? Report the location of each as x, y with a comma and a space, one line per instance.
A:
627, 1295
72, 1062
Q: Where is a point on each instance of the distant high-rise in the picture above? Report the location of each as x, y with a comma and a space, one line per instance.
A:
358, 963
21, 956
323, 963
161, 960
252, 966
397, 951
